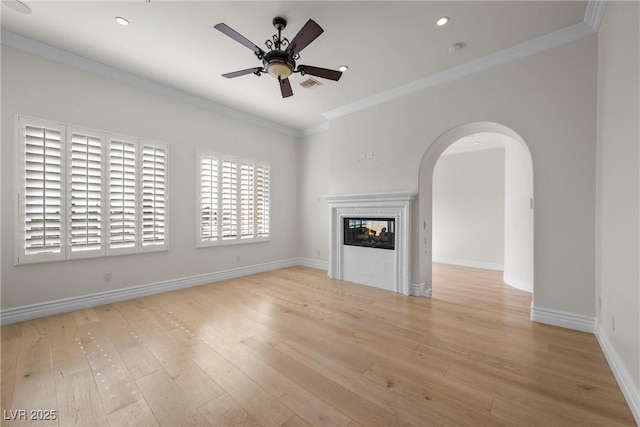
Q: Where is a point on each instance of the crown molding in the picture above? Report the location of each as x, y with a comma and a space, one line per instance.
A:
522, 50
594, 14
314, 130
41, 49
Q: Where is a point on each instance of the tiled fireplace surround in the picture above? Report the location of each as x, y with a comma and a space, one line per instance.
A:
382, 268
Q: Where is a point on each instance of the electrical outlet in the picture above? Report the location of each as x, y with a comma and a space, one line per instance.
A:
107, 277
613, 323
238, 258
318, 252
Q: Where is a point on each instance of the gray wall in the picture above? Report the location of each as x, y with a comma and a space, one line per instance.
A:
468, 209
38, 87
313, 211
618, 183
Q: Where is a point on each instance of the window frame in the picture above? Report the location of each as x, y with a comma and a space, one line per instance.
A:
66, 253
238, 239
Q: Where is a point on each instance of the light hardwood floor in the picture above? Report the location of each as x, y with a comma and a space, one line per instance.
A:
291, 348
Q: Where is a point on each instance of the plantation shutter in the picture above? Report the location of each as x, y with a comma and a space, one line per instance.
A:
262, 201
122, 195
154, 195
229, 199
42, 213
85, 192
208, 210
246, 200
233, 206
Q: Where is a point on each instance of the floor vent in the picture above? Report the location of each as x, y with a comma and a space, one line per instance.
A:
310, 83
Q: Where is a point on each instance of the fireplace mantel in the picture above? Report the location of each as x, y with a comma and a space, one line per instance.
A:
376, 205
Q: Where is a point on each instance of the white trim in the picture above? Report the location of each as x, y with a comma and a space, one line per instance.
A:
469, 263
418, 290
521, 50
47, 51
314, 130
594, 13
33, 311
313, 263
348, 199
577, 322
624, 379
523, 286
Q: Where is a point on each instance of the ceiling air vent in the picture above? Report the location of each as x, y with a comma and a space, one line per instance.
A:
310, 83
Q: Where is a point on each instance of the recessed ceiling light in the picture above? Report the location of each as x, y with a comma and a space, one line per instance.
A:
343, 68
122, 21
18, 6
443, 20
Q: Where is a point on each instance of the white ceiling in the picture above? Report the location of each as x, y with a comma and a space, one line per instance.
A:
386, 44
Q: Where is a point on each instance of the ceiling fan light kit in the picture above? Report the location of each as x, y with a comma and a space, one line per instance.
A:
280, 61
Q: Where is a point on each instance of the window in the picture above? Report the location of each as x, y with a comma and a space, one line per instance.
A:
85, 193
233, 206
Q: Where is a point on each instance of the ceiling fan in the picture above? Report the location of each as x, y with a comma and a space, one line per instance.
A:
280, 61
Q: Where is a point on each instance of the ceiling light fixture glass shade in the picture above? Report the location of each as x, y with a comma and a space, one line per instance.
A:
278, 64
122, 21
279, 70
343, 68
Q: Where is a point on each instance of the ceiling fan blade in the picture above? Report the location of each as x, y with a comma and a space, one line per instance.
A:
321, 72
241, 72
308, 33
285, 88
224, 28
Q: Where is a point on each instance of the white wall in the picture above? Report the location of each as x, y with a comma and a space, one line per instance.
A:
518, 217
618, 185
468, 209
549, 99
38, 87
313, 210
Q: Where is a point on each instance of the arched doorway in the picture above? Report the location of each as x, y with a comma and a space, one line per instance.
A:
517, 158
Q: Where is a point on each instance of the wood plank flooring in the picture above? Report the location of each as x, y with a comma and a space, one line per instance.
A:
293, 348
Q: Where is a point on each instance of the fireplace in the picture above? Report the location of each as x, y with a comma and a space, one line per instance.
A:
378, 233
360, 250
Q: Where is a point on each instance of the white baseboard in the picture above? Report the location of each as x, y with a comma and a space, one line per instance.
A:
523, 286
33, 311
625, 381
564, 320
469, 263
312, 263
417, 290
